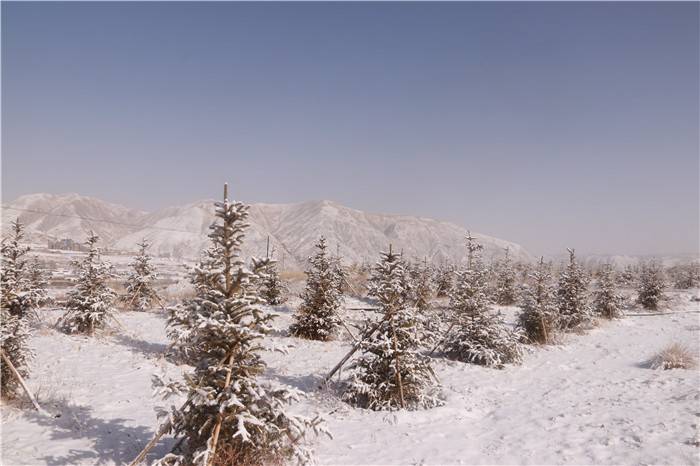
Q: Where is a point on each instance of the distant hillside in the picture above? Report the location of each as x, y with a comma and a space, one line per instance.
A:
181, 231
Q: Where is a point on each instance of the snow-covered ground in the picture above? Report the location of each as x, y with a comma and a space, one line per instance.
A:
590, 400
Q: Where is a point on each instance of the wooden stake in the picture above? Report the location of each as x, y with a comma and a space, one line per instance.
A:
367, 334
267, 249
21, 382
217, 427
398, 364
163, 429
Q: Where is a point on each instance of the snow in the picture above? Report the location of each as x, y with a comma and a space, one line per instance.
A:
590, 400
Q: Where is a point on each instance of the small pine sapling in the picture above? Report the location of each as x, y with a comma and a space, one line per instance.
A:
140, 291
90, 302
480, 336
651, 285
607, 301
317, 317
539, 317
391, 373
505, 281
572, 296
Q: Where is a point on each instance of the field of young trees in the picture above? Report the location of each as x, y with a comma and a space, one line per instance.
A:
400, 362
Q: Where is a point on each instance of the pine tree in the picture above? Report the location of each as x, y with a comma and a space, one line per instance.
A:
340, 276
38, 278
90, 302
505, 281
16, 301
17, 297
317, 317
607, 301
229, 416
685, 276
444, 280
651, 285
391, 373
539, 318
628, 276
480, 336
140, 293
421, 286
572, 296
273, 290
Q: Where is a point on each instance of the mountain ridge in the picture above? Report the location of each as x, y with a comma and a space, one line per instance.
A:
181, 231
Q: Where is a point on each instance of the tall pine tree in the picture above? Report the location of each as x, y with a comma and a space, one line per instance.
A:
16, 301
90, 302
140, 291
572, 296
317, 317
480, 336
391, 373
539, 318
229, 416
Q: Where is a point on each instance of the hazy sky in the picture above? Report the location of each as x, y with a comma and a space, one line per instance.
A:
549, 124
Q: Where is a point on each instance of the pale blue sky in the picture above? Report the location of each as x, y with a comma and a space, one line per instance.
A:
549, 124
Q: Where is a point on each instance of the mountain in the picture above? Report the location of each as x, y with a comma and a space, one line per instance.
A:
181, 231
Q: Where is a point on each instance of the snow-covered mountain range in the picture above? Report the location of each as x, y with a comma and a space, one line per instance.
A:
181, 231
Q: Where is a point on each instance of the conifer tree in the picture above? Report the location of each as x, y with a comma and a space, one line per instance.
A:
480, 336
607, 301
651, 285
572, 296
421, 285
391, 373
16, 301
685, 276
539, 318
38, 278
505, 281
272, 288
317, 317
17, 297
628, 277
140, 292
229, 416
90, 302
444, 280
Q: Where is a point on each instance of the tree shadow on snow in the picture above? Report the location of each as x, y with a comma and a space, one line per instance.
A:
305, 383
112, 440
143, 347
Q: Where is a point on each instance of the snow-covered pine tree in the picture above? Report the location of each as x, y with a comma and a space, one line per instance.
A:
651, 285
391, 373
140, 292
16, 300
16, 297
272, 288
38, 278
572, 296
607, 301
90, 302
340, 274
443, 278
628, 277
229, 417
317, 317
505, 281
421, 285
685, 276
479, 335
539, 318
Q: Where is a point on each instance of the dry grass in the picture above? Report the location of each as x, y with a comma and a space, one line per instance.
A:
674, 356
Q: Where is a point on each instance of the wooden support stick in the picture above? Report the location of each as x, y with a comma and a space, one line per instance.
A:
447, 333
348, 330
163, 429
355, 347
398, 364
217, 427
21, 382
